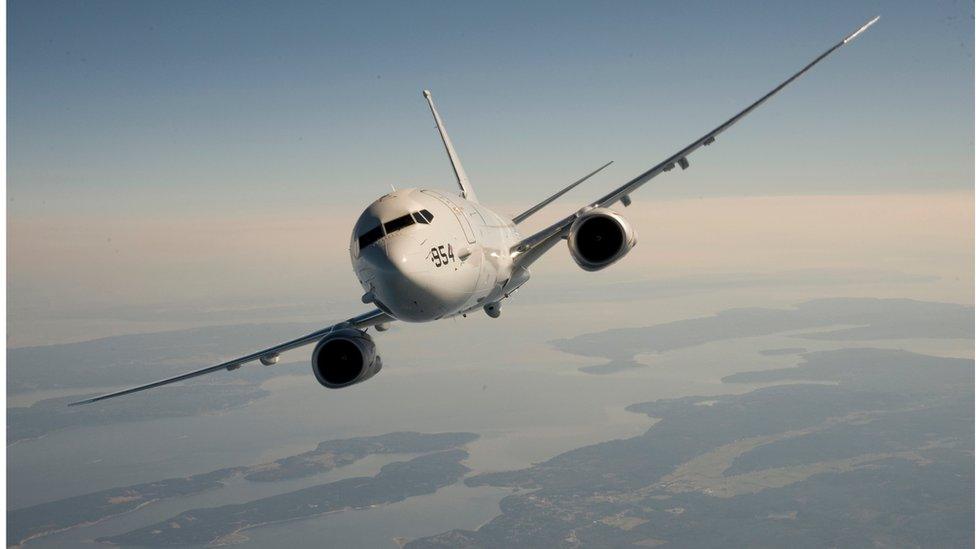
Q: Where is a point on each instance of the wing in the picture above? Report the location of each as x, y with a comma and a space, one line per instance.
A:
365, 320
534, 246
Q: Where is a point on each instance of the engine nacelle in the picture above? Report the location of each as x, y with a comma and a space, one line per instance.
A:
599, 237
345, 357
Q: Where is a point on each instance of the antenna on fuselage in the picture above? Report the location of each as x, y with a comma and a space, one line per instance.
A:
467, 191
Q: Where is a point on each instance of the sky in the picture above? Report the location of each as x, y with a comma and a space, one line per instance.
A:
189, 152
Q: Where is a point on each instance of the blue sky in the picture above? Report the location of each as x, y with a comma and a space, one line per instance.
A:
191, 108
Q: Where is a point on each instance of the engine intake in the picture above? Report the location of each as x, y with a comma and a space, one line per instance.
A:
600, 237
344, 358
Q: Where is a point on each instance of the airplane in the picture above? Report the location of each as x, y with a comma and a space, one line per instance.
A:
423, 254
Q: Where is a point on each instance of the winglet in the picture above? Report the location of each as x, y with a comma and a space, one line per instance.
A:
863, 28
467, 191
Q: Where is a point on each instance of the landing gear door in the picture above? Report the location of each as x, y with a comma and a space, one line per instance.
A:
458, 213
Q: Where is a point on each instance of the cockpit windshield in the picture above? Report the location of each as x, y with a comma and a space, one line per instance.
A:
372, 235
395, 225
423, 216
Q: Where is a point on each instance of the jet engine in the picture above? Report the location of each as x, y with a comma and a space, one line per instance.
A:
599, 237
345, 357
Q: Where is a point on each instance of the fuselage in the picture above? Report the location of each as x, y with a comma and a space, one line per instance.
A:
424, 254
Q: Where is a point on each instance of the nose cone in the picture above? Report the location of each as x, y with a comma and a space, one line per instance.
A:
404, 281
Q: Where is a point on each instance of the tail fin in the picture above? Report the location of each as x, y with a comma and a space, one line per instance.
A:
467, 191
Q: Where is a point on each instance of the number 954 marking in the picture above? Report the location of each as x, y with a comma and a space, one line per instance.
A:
441, 255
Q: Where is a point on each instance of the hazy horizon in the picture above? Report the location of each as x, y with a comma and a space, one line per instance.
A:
74, 279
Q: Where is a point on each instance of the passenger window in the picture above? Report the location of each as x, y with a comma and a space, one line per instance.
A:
370, 236
398, 223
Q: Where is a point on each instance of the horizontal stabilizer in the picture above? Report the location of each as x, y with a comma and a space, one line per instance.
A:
525, 215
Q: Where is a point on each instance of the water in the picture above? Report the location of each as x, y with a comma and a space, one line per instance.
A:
236, 490
455, 506
501, 380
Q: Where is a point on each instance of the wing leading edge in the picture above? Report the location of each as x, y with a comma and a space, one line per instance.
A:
531, 248
365, 320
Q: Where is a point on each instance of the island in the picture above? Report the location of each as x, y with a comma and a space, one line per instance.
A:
52, 415
835, 319
220, 525
879, 455
46, 518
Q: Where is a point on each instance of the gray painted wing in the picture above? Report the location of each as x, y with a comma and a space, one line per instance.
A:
534, 246
365, 320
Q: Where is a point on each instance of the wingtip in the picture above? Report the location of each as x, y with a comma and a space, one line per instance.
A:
88, 400
863, 28
427, 93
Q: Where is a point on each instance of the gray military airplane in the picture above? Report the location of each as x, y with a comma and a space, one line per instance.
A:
423, 254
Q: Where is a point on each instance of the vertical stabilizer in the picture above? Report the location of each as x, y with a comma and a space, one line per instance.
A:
462, 178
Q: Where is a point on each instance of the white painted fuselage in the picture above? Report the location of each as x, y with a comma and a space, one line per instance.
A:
424, 254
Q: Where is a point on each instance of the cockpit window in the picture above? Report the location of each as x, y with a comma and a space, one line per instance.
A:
398, 223
393, 225
370, 236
